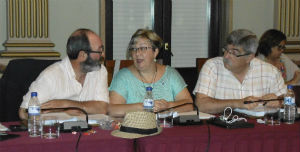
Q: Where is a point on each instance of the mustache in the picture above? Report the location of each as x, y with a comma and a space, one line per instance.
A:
226, 61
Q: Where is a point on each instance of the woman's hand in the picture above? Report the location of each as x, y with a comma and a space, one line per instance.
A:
296, 77
160, 104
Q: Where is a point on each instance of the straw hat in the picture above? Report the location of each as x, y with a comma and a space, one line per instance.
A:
138, 124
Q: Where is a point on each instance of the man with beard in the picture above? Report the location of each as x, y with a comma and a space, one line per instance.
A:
238, 76
78, 80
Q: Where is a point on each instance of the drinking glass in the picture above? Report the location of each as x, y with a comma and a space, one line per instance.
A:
50, 127
165, 119
272, 115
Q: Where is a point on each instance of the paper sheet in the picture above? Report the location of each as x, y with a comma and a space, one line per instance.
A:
257, 112
201, 114
3, 128
63, 117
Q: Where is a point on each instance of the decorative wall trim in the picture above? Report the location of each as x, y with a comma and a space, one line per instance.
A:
29, 45
287, 20
29, 54
28, 30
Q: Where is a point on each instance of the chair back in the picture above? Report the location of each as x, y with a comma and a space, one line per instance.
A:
296, 90
110, 65
112, 69
17, 77
125, 63
200, 62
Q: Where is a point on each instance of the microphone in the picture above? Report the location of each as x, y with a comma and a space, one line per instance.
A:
264, 101
185, 119
70, 126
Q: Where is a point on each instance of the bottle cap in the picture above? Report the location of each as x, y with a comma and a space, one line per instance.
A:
33, 94
148, 88
290, 87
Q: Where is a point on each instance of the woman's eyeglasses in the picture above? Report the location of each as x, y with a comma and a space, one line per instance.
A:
282, 47
143, 49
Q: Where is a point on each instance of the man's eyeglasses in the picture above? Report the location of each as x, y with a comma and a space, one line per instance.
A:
143, 49
99, 52
282, 47
234, 52
90, 51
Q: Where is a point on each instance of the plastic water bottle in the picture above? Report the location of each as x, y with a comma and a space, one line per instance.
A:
148, 100
289, 106
34, 112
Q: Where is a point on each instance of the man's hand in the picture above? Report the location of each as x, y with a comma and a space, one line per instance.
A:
250, 105
276, 103
74, 112
54, 104
60, 104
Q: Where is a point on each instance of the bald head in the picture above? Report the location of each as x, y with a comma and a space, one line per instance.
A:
78, 41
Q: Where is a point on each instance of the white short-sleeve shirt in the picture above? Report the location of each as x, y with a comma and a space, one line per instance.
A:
218, 82
58, 81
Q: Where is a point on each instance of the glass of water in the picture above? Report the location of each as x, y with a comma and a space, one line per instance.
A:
165, 119
272, 115
50, 127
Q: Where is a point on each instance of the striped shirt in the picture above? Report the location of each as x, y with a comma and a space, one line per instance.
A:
217, 82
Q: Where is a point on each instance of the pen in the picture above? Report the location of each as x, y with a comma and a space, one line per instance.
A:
265, 101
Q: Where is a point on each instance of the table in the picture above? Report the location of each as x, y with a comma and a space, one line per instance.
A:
261, 138
100, 141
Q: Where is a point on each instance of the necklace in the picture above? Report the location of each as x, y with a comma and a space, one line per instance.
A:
153, 77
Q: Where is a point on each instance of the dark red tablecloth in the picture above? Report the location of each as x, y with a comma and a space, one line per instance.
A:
100, 141
261, 138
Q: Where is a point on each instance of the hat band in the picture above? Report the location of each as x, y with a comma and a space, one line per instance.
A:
137, 130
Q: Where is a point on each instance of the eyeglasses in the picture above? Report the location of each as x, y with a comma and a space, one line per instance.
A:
143, 49
282, 47
90, 51
234, 52
99, 52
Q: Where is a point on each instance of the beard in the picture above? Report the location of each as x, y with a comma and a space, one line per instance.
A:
90, 64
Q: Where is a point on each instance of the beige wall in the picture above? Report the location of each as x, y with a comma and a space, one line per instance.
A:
64, 17
255, 15
68, 15
2, 23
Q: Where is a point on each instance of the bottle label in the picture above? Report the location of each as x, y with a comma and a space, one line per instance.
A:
34, 110
148, 103
289, 100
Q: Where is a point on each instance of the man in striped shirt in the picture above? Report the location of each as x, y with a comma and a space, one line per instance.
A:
238, 76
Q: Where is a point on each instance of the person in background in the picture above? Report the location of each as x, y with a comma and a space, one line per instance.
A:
79, 80
128, 87
238, 76
297, 62
270, 49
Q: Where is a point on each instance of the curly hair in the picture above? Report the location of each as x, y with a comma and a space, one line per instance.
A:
243, 38
155, 41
